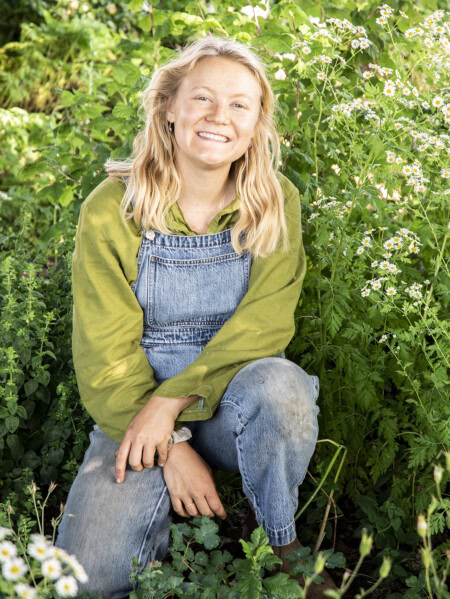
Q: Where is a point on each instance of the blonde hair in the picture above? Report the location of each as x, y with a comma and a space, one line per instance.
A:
154, 182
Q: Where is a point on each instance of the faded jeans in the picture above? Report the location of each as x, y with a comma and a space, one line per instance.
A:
265, 427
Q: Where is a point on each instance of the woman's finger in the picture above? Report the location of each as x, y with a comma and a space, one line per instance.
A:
121, 460
162, 449
178, 507
148, 456
203, 507
190, 507
135, 457
216, 505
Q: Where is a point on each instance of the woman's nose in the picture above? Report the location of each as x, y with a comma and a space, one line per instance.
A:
219, 113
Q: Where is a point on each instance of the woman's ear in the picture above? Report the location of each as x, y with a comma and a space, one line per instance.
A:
169, 113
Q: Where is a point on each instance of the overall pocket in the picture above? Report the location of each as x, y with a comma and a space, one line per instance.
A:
195, 292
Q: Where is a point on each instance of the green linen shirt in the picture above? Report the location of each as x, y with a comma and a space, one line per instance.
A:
114, 377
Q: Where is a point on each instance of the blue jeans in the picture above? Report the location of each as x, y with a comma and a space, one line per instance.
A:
265, 427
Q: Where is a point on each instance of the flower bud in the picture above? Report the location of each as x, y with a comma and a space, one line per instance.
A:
422, 526
426, 557
437, 473
385, 567
319, 564
366, 544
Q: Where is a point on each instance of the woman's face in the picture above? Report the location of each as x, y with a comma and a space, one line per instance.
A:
221, 97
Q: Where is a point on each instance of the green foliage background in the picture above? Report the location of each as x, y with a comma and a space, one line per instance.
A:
70, 77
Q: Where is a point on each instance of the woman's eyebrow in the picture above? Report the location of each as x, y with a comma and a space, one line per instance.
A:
240, 94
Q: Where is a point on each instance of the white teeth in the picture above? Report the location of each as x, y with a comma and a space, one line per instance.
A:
212, 136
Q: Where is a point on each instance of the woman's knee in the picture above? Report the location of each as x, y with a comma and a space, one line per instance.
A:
280, 392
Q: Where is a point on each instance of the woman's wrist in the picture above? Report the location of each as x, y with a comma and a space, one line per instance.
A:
174, 404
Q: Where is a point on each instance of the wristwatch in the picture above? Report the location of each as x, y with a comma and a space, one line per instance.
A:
182, 434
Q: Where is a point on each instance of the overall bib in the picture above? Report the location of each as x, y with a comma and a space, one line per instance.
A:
265, 426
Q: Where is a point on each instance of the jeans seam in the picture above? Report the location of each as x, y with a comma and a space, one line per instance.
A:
152, 520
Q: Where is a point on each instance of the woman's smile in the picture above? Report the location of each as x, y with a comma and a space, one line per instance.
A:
213, 137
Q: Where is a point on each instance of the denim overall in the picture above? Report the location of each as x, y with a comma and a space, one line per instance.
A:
265, 427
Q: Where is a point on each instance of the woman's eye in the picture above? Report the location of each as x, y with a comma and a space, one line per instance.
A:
202, 98
240, 105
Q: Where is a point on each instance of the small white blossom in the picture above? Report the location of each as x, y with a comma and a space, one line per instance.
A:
366, 241
7, 551
391, 291
393, 269
25, 591
437, 102
51, 568
66, 586
280, 75
384, 265
383, 338
78, 570
4, 532
40, 550
360, 250
365, 292
14, 568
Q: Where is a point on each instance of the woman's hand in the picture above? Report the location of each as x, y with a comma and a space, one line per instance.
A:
190, 483
149, 431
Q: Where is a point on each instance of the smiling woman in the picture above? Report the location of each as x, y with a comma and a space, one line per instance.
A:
187, 271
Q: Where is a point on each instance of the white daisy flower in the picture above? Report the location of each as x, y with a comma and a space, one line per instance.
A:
437, 102
366, 241
374, 264
376, 285
365, 292
413, 248
393, 269
355, 44
5, 532
280, 75
78, 570
14, 568
388, 245
25, 591
389, 90
66, 586
61, 554
321, 76
40, 550
384, 265
306, 50
7, 551
51, 568
406, 170
360, 250
391, 291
